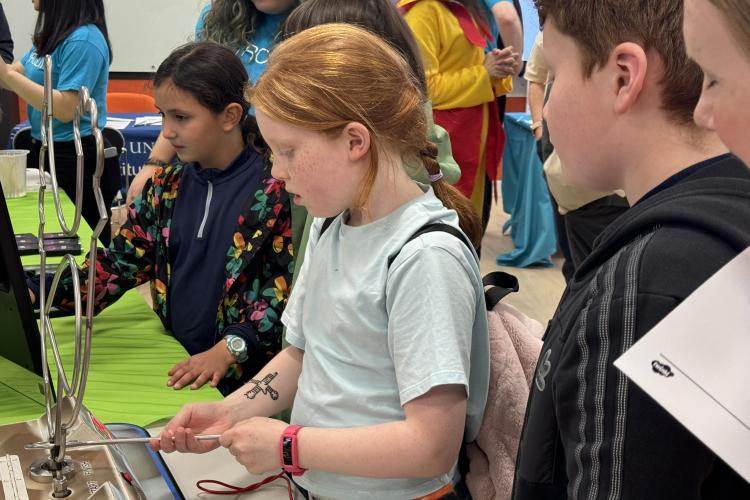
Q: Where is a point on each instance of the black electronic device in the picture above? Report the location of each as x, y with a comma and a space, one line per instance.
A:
19, 334
56, 244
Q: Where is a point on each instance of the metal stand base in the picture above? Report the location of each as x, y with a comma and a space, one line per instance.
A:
42, 471
88, 473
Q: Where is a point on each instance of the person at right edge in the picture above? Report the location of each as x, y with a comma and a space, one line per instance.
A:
620, 117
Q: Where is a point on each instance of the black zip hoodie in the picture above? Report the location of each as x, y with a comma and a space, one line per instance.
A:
591, 434
204, 221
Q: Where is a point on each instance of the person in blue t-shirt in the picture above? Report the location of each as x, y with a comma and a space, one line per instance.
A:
74, 34
506, 24
250, 28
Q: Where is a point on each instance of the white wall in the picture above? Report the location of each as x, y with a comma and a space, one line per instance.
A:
142, 32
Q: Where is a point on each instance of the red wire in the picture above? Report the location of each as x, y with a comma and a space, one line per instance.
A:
233, 490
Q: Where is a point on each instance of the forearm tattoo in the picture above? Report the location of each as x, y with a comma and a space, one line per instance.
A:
263, 386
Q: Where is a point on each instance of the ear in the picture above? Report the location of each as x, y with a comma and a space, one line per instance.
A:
358, 140
630, 65
232, 116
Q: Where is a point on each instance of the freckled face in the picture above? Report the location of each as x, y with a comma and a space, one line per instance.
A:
314, 166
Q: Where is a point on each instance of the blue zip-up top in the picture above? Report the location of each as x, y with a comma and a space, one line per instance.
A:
205, 218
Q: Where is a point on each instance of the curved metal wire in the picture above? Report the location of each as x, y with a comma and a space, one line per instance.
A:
72, 391
48, 145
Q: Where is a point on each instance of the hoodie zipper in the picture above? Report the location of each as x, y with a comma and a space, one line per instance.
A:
206, 210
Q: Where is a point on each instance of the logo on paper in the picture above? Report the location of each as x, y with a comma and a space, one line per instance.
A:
662, 369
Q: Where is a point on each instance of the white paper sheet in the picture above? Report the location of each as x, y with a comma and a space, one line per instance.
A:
696, 363
141, 121
118, 123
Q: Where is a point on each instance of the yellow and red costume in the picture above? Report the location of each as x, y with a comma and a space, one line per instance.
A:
463, 95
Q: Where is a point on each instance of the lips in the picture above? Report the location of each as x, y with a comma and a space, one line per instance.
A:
294, 197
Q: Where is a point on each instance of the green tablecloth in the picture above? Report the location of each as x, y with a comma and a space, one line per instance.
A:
131, 353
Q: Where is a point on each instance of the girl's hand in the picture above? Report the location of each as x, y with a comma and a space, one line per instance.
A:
139, 182
198, 418
491, 64
209, 366
255, 443
517, 63
500, 63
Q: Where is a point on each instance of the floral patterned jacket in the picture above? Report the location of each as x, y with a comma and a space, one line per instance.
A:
259, 261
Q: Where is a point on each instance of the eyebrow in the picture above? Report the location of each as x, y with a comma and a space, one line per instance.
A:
171, 110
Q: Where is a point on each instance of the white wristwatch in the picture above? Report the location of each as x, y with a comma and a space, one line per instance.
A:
237, 347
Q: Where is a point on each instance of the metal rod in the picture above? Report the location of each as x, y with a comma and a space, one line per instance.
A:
48, 134
107, 442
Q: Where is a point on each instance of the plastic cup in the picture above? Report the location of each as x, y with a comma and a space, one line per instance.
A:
13, 172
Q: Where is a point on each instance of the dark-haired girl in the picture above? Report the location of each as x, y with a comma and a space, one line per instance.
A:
250, 28
211, 232
74, 34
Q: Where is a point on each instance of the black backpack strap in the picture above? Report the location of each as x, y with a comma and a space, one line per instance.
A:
326, 224
500, 284
431, 228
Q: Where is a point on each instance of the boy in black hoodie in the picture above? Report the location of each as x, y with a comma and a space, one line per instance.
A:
620, 115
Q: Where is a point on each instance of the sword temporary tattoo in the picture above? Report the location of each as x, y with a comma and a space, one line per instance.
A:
263, 386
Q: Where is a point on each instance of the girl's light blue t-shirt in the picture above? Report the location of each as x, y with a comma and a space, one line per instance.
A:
377, 336
255, 55
82, 59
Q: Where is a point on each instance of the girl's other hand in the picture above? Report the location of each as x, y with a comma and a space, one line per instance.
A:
209, 366
501, 63
198, 418
139, 182
255, 443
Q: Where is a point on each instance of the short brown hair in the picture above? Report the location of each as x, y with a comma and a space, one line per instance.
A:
598, 26
737, 15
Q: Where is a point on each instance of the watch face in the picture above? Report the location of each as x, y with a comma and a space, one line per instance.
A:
287, 455
237, 344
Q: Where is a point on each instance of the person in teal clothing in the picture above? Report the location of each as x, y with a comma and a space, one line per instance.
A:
506, 24
227, 21
74, 34
250, 28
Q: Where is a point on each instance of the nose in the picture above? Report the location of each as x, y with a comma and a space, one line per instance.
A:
703, 113
167, 130
278, 171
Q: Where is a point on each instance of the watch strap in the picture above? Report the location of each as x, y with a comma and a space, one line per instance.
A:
289, 452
